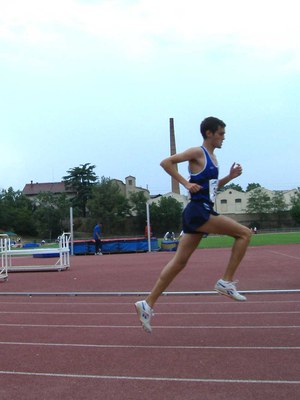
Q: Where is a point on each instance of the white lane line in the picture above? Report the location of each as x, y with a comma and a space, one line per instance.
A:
156, 327
284, 254
151, 378
157, 313
121, 346
122, 303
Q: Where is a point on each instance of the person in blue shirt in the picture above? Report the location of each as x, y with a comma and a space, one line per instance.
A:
199, 216
97, 234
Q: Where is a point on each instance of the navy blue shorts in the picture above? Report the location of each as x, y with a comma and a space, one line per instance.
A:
196, 214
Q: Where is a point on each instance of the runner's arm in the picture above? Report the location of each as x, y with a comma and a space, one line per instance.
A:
169, 164
235, 171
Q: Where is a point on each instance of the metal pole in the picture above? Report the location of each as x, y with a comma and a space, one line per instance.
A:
71, 230
148, 226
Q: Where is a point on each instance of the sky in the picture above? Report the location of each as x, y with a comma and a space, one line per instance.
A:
88, 81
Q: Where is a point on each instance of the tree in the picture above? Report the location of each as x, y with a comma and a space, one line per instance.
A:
166, 215
16, 212
295, 199
50, 213
138, 201
279, 206
63, 204
108, 205
259, 202
233, 186
252, 186
295, 209
81, 179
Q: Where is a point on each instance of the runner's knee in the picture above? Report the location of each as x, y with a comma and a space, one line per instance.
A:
246, 234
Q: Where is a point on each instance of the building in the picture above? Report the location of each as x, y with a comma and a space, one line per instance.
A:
179, 197
234, 202
230, 201
31, 190
130, 187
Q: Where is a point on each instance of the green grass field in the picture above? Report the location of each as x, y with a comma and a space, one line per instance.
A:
261, 239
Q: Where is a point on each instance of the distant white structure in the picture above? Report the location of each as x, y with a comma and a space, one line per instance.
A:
234, 202
179, 197
230, 201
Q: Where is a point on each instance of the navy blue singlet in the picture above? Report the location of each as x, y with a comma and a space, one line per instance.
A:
200, 208
207, 179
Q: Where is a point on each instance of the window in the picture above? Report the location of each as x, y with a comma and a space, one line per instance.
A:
238, 204
223, 205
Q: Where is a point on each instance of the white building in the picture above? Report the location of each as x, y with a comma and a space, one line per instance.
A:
230, 201
179, 197
234, 202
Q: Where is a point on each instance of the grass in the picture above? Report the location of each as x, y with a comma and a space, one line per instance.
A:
261, 239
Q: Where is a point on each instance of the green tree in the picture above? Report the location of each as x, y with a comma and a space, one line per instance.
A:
295, 209
108, 205
252, 186
50, 213
166, 215
63, 204
259, 202
16, 212
81, 179
279, 206
233, 186
138, 201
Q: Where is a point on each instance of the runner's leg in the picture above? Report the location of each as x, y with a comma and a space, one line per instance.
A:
226, 226
187, 245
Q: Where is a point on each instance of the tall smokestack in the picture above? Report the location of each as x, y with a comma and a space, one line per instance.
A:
175, 184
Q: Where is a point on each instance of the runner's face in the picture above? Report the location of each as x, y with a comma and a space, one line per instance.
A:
218, 137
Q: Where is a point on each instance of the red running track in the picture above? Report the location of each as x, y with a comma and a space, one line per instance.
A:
202, 347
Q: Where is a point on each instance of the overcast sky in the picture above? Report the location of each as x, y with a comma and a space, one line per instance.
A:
97, 81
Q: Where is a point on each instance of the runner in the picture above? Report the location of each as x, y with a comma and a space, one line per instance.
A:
199, 217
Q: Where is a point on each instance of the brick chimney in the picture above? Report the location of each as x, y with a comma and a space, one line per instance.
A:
175, 184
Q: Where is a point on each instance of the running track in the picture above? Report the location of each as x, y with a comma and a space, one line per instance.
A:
202, 347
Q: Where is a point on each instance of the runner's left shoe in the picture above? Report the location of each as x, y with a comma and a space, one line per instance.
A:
144, 312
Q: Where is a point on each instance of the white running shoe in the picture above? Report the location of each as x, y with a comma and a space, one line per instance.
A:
229, 289
144, 312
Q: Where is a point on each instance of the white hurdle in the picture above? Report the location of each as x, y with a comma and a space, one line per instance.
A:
4, 242
8, 255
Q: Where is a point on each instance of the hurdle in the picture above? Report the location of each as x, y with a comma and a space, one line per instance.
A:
8, 255
4, 242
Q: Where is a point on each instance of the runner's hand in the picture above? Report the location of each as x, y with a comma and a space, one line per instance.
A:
235, 170
193, 187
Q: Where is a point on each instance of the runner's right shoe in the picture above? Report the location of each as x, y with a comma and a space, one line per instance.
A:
229, 289
144, 312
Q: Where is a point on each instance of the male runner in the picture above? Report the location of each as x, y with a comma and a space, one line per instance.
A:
199, 217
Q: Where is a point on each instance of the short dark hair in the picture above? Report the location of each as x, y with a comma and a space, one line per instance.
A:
211, 124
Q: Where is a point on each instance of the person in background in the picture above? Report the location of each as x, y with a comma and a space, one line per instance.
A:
150, 230
97, 234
